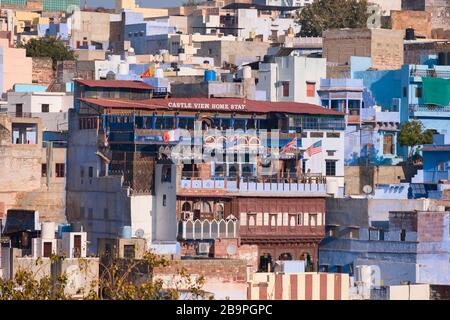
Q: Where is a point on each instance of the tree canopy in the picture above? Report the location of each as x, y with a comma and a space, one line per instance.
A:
49, 47
412, 134
322, 15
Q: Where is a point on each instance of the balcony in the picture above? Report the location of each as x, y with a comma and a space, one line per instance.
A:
430, 73
264, 232
429, 110
432, 176
208, 230
307, 186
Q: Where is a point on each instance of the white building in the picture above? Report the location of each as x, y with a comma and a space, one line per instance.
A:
251, 24
51, 107
292, 78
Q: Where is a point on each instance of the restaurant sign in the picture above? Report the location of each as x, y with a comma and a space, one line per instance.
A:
208, 106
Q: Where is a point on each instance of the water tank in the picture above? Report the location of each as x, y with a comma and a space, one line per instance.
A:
126, 232
332, 187
410, 34
158, 73
210, 75
131, 50
76, 227
63, 228
247, 72
48, 230
124, 68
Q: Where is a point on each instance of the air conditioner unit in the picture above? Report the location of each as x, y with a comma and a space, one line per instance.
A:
203, 248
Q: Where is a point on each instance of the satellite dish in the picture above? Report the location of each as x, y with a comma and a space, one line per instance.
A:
367, 189
139, 233
231, 249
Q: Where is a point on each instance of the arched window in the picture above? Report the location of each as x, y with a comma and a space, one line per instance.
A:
206, 207
219, 211
186, 207
285, 256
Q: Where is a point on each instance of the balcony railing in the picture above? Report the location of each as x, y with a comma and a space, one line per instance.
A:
430, 73
208, 229
303, 184
427, 108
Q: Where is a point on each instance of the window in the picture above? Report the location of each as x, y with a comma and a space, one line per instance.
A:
44, 170
313, 219
403, 235
330, 168
418, 92
105, 213
129, 251
331, 153
285, 87
441, 166
91, 172
19, 110
81, 212
166, 174
60, 170
333, 135
45, 108
164, 201
304, 166
82, 172
310, 89
90, 213
388, 144
316, 134
405, 92
299, 219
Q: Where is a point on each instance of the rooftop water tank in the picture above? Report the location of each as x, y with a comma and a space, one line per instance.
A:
210, 75
158, 73
247, 72
76, 227
48, 230
332, 187
63, 228
126, 232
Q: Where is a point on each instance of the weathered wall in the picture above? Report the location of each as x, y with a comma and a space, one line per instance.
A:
43, 71
223, 278
420, 21
383, 45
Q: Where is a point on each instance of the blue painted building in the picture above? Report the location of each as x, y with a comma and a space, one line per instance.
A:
371, 135
142, 34
400, 238
436, 167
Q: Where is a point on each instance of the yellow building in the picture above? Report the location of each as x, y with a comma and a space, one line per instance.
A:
146, 12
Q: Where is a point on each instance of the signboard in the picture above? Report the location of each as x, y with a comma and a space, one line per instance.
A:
207, 106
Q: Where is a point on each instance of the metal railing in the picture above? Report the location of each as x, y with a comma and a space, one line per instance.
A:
428, 108
430, 73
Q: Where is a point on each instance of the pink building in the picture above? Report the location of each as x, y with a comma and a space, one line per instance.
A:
15, 67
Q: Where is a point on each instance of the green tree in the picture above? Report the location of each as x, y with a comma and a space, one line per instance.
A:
412, 134
49, 47
322, 15
119, 279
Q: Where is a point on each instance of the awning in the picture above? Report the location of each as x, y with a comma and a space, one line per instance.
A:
436, 91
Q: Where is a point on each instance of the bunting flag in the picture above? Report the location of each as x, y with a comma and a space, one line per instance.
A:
315, 148
148, 73
291, 145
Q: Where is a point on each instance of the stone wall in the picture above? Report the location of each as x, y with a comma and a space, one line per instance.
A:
383, 45
420, 21
43, 71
